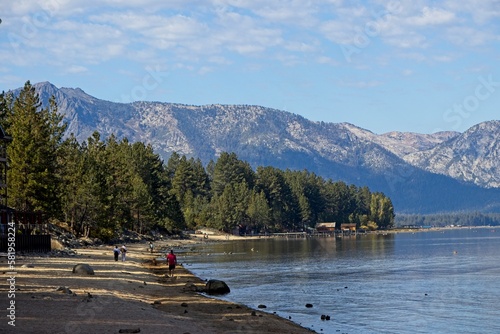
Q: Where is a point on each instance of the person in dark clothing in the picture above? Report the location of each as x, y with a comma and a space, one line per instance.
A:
116, 252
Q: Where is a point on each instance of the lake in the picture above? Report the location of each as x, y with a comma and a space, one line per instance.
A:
445, 281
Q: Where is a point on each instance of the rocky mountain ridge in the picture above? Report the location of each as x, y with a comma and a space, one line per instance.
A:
472, 156
445, 171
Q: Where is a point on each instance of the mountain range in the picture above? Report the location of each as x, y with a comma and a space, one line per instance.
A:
421, 173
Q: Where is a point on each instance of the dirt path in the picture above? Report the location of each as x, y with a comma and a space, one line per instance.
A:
121, 297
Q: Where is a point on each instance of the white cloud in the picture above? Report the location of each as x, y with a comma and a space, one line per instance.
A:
218, 31
407, 72
443, 58
340, 32
301, 46
74, 69
10, 80
295, 12
431, 16
220, 60
361, 84
481, 12
409, 40
470, 36
82, 42
413, 56
205, 69
243, 34
327, 60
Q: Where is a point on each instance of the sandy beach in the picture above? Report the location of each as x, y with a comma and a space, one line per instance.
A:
134, 296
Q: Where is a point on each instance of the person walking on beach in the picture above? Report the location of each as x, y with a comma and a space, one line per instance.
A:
172, 261
124, 253
151, 246
116, 252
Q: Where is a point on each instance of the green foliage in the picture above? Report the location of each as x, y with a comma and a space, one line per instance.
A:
230, 170
381, 211
103, 233
447, 219
285, 211
258, 212
33, 154
6, 100
371, 226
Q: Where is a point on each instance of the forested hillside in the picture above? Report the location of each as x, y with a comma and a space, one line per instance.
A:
409, 168
449, 219
104, 185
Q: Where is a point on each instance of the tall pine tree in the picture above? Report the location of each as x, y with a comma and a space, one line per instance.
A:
36, 137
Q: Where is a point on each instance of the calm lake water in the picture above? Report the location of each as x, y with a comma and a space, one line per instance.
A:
444, 281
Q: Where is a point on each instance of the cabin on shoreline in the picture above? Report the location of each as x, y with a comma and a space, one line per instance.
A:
329, 228
326, 227
348, 227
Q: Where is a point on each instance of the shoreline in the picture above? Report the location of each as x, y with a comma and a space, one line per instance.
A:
130, 296
124, 297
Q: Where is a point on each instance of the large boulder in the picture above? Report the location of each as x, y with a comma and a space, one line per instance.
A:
83, 268
216, 287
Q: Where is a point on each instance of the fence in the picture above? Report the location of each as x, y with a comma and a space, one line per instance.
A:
29, 228
27, 243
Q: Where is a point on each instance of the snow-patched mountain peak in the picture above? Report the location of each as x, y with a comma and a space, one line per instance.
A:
473, 156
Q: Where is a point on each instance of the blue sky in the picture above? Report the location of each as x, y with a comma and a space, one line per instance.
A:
420, 65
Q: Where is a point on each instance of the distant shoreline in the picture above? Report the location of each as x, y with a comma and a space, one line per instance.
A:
435, 228
229, 237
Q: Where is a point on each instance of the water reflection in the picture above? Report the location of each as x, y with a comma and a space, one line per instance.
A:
438, 282
283, 249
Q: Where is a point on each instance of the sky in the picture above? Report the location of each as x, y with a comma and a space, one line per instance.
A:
415, 66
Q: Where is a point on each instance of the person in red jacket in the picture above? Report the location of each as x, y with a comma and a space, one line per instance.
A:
172, 261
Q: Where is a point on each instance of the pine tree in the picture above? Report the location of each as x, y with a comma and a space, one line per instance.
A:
258, 211
93, 193
229, 169
285, 212
72, 172
5, 110
33, 154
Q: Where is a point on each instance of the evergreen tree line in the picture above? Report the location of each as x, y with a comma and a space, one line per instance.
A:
448, 219
101, 186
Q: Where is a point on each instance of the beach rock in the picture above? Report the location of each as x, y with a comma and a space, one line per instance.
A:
64, 289
309, 305
262, 306
83, 268
216, 287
